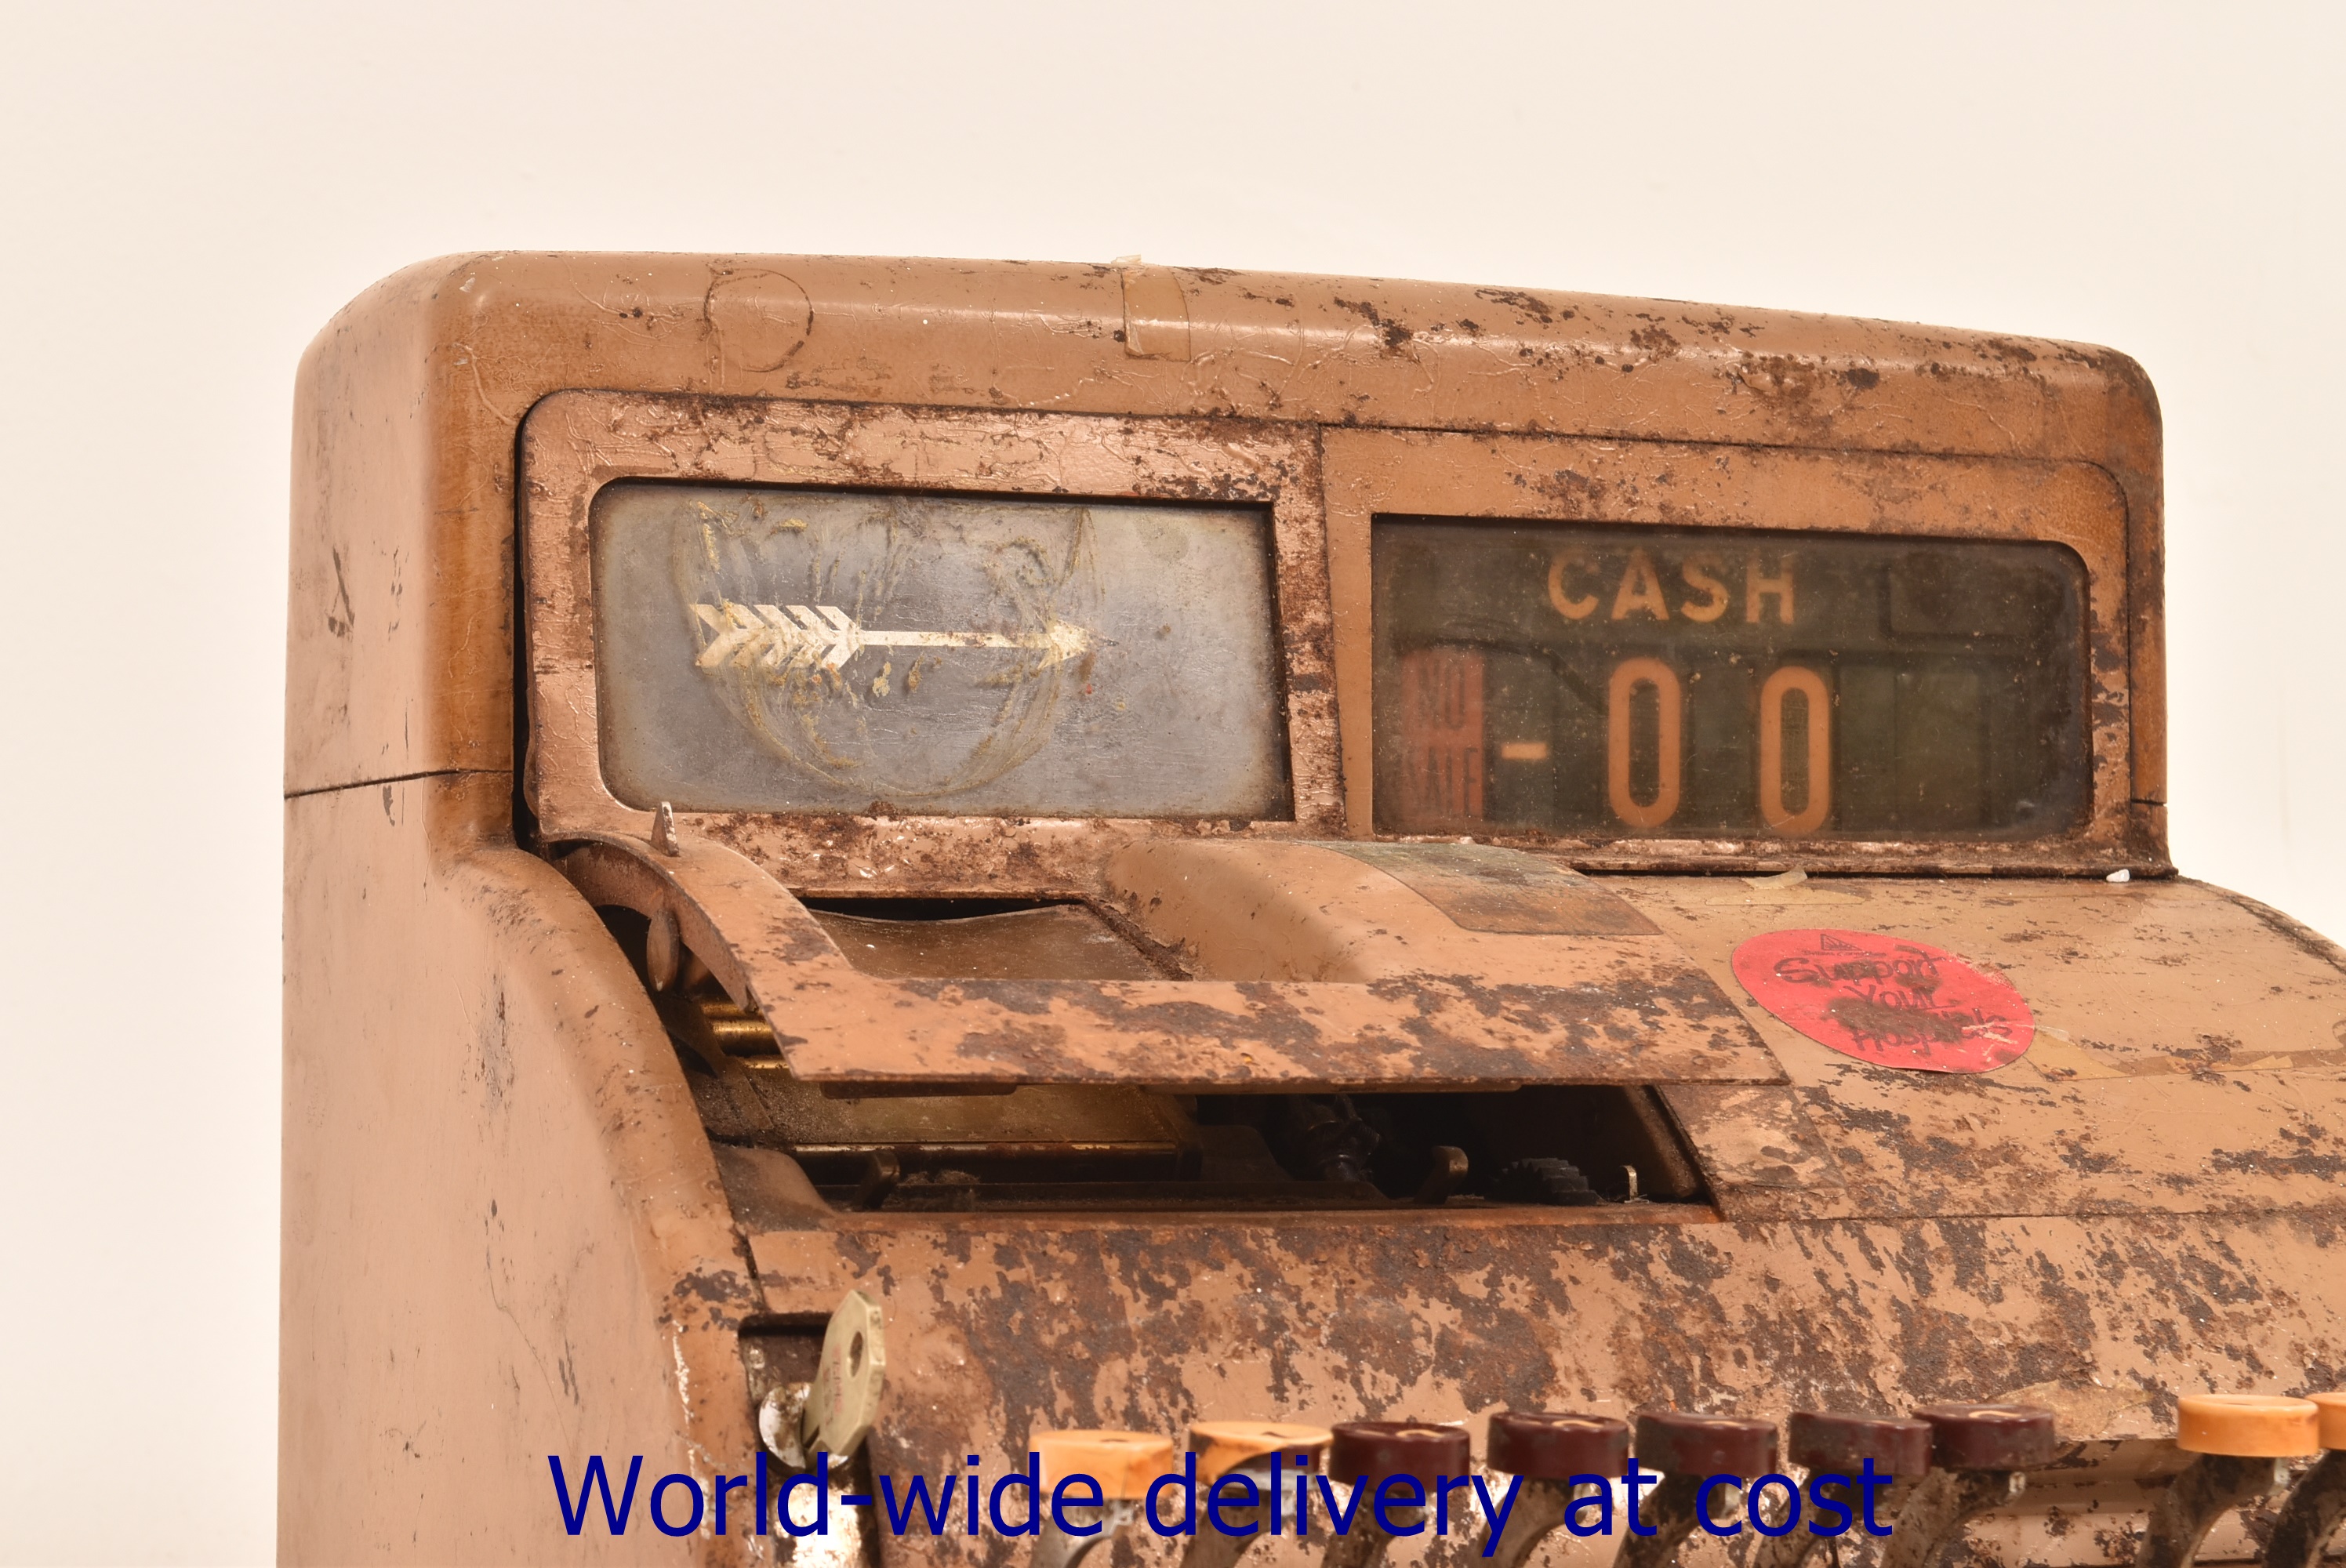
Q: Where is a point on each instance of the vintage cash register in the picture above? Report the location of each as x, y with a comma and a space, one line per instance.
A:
1219, 847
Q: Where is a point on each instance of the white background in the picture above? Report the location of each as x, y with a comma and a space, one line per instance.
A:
187, 192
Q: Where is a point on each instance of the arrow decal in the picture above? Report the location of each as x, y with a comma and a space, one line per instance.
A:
764, 636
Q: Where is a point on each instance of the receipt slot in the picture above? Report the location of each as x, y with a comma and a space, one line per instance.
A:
1224, 847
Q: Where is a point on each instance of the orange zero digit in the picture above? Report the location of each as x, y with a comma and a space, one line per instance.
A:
1780, 818
1621, 703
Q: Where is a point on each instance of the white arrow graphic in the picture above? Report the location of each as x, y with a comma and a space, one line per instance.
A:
755, 635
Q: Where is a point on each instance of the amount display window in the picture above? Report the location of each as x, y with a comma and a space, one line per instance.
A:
1640, 682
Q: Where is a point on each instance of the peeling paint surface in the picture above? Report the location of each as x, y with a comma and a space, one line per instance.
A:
1321, 979
999, 1329
2187, 1056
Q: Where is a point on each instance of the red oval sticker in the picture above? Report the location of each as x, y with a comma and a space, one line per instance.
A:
1887, 1001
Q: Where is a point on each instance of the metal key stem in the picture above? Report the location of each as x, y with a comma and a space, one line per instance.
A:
1057, 1548
1797, 1545
1366, 1544
1210, 1547
1540, 1509
2208, 1487
1672, 1513
1945, 1501
2315, 1507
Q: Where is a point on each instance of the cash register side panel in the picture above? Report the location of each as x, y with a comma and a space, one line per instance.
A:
503, 1236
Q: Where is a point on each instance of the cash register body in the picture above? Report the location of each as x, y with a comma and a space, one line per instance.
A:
510, 1231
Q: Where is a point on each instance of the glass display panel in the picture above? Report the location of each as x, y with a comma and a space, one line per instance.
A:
1664, 683
798, 650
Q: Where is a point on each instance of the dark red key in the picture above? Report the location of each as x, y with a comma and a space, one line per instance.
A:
1680, 1444
1541, 1446
1366, 1452
1979, 1457
1989, 1437
1690, 1451
1839, 1444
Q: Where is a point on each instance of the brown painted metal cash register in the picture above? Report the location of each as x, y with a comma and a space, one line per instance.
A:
1216, 847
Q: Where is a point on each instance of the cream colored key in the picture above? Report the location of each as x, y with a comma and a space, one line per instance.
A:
849, 1379
1124, 1463
2240, 1440
1223, 1446
2248, 1426
1248, 1450
2332, 1419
